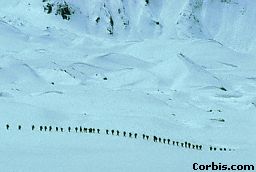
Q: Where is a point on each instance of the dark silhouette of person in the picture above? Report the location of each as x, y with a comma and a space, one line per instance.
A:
177, 143
130, 134
112, 131
210, 148
81, 129
159, 139
106, 131
220, 149
69, 129
117, 133
61, 129
7, 126
50, 128
173, 142
124, 134
230, 149
85, 130
186, 144
45, 128
143, 136
193, 146
98, 131
155, 139
200, 147
147, 137
164, 141
182, 144
135, 135
189, 145
76, 129
225, 149
90, 130
93, 130
168, 141
33, 127
41, 128
19, 127
196, 146
214, 149
57, 129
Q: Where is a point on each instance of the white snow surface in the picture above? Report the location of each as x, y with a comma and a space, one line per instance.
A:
177, 79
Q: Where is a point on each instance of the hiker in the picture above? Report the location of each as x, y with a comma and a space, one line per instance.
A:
90, 130
69, 129
33, 127
112, 131
106, 131
130, 134
196, 146
93, 130
76, 129
57, 128
124, 134
177, 143
98, 131
117, 133
186, 144
173, 142
182, 144
214, 149
147, 137
135, 135
19, 127
45, 128
220, 149
224, 149
7, 126
143, 136
81, 129
61, 129
193, 146
164, 141
155, 139
159, 139
210, 148
189, 144
85, 130
41, 128
200, 147
168, 140
50, 128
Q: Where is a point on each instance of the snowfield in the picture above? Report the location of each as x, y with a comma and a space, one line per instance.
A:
180, 70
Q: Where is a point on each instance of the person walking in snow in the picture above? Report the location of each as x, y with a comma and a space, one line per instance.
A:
189, 145
76, 129
159, 139
164, 141
45, 128
112, 131
124, 134
90, 130
135, 135
130, 134
177, 143
168, 141
69, 129
143, 136
107, 131
33, 127
98, 131
61, 129
50, 128
41, 128
147, 137
85, 130
81, 129
155, 139
57, 129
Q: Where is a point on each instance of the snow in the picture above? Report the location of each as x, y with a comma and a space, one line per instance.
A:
191, 81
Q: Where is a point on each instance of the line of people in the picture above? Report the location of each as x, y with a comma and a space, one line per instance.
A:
124, 134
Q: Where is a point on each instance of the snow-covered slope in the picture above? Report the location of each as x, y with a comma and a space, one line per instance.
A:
183, 70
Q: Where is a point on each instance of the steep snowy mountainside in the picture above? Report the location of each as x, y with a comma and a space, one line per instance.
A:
225, 21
